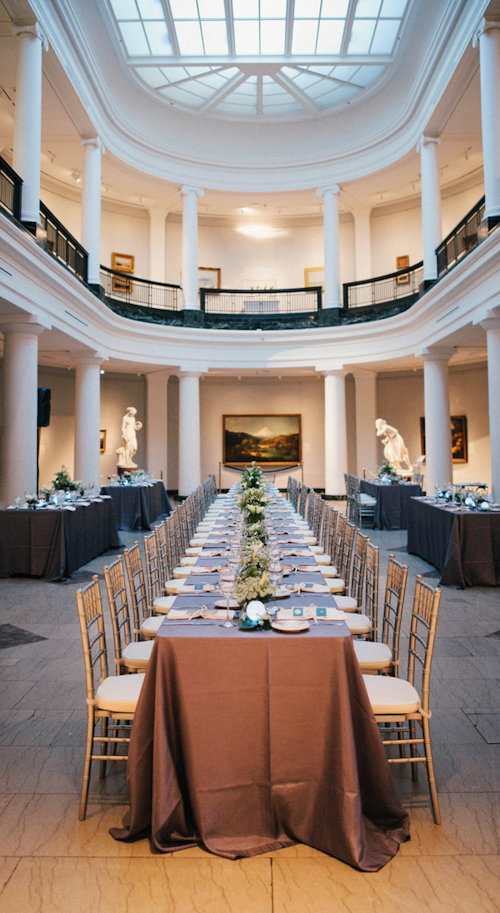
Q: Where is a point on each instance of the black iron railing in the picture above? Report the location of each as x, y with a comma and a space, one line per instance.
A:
10, 190
261, 302
62, 245
461, 240
393, 287
131, 290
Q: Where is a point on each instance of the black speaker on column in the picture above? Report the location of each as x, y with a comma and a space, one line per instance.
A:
43, 407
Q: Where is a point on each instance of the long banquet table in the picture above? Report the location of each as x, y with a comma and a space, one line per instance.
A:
245, 742
54, 543
464, 545
391, 509
137, 506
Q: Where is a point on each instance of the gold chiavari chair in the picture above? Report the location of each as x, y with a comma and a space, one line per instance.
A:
371, 587
109, 698
353, 600
130, 655
344, 560
383, 656
398, 704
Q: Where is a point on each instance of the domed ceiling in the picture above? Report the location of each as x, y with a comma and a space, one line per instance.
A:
258, 58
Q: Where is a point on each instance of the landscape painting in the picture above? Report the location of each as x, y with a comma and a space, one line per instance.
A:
263, 439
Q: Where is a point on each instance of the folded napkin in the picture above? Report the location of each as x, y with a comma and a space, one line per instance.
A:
314, 588
300, 552
311, 611
68, 507
206, 570
197, 589
212, 552
309, 568
203, 612
296, 541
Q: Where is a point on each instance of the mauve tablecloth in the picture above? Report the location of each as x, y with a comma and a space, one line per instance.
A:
391, 509
463, 545
137, 506
247, 742
54, 543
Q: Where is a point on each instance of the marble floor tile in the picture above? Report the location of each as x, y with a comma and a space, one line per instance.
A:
487, 725
466, 768
7, 868
156, 885
459, 884
28, 769
12, 693
470, 826
482, 646
38, 727
453, 726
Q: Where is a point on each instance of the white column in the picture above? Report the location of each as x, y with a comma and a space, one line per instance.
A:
492, 327
366, 413
488, 35
335, 433
28, 117
363, 243
91, 206
157, 243
332, 297
438, 457
189, 432
157, 426
88, 420
190, 246
19, 431
431, 203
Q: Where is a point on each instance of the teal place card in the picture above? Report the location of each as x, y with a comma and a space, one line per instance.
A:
298, 611
321, 611
199, 586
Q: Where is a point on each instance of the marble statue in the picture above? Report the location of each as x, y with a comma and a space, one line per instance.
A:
394, 446
129, 437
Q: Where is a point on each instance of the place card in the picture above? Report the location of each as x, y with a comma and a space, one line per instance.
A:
327, 613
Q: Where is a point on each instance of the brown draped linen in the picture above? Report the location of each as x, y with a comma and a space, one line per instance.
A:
246, 742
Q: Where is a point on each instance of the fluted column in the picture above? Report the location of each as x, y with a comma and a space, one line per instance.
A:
91, 206
438, 456
28, 117
363, 243
19, 431
190, 246
366, 413
88, 420
431, 203
157, 242
332, 298
157, 426
492, 327
488, 36
189, 432
335, 433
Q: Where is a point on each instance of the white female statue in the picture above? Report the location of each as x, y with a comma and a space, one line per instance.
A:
129, 428
394, 446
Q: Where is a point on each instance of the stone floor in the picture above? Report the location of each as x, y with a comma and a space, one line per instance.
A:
52, 863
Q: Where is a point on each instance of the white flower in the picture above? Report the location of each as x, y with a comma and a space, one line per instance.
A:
256, 610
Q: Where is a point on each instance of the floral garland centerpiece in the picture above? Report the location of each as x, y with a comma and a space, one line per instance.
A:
387, 473
253, 584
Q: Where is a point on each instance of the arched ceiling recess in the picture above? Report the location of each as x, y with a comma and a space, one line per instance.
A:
198, 144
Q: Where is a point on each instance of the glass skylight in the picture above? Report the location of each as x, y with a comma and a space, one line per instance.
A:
257, 56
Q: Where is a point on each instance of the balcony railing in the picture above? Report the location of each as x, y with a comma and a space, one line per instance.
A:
461, 240
62, 245
131, 290
401, 286
10, 190
261, 302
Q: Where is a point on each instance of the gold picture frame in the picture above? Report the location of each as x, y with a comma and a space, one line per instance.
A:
459, 441
267, 439
102, 440
403, 262
315, 275
209, 277
124, 263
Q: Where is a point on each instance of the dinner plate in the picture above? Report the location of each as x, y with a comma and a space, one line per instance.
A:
290, 627
221, 604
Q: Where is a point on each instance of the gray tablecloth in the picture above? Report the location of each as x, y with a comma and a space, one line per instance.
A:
464, 546
54, 543
137, 506
391, 510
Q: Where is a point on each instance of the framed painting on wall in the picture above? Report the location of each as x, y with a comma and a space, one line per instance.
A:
458, 437
402, 263
265, 439
315, 275
102, 440
209, 277
124, 263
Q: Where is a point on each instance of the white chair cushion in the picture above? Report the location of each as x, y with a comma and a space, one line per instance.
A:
182, 571
367, 499
194, 551
150, 626
347, 603
372, 655
137, 655
188, 562
358, 623
324, 559
199, 541
391, 695
330, 571
173, 586
336, 585
164, 603
119, 693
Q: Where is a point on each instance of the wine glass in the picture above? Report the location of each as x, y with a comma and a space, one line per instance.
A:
227, 585
275, 574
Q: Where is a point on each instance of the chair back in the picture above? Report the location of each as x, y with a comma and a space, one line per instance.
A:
424, 618
114, 578
329, 529
91, 620
137, 587
302, 499
339, 541
358, 568
347, 552
395, 590
371, 588
153, 574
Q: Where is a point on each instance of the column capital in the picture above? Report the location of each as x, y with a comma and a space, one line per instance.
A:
19, 29
485, 25
186, 188
331, 188
93, 141
188, 373
441, 354
28, 329
427, 140
84, 360
491, 323
333, 372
